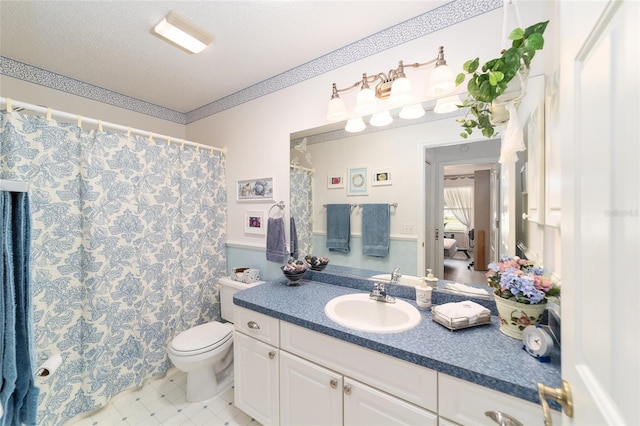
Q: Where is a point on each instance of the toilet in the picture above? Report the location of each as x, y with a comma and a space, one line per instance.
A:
205, 352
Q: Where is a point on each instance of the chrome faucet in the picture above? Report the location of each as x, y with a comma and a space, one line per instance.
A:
379, 294
395, 276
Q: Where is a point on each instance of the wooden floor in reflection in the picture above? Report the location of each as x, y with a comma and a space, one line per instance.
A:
455, 269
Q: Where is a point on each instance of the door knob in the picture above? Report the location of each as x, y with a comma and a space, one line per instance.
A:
561, 395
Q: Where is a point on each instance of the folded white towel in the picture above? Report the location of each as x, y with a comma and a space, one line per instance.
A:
463, 288
465, 309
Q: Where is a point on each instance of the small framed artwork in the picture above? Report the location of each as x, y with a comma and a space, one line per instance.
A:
357, 183
254, 222
335, 181
255, 189
381, 177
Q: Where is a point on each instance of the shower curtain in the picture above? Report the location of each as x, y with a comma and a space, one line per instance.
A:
127, 248
18, 393
301, 183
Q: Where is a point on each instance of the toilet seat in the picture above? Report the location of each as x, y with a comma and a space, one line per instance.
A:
202, 338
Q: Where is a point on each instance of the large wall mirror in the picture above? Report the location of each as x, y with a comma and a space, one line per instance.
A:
425, 171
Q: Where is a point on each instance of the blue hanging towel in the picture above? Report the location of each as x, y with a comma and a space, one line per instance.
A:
338, 227
295, 252
19, 395
376, 223
276, 240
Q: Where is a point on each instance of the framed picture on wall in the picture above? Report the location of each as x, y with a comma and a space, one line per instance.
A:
254, 222
335, 181
357, 181
255, 189
381, 177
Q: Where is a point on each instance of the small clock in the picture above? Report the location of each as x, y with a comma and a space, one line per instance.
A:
537, 342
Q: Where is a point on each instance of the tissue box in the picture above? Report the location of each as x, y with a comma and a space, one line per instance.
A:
246, 275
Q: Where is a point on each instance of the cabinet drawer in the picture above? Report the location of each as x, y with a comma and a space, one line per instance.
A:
257, 325
465, 403
402, 379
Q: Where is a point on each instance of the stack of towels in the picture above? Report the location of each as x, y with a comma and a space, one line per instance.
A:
462, 313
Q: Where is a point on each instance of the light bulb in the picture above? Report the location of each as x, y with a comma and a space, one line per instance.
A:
441, 82
366, 102
401, 92
336, 111
448, 104
355, 125
380, 119
412, 112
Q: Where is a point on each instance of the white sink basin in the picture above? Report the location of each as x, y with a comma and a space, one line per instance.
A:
358, 312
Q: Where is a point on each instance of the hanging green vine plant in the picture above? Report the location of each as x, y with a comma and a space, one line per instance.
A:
487, 85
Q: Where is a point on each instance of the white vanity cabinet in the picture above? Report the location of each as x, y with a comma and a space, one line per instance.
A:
256, 366
314, 395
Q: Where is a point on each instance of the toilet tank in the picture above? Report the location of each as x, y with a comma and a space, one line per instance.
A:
228, 287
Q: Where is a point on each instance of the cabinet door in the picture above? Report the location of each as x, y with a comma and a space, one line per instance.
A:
256, 378
309, 394
364, 405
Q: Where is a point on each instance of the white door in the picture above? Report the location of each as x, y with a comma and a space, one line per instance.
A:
309, 394
494, 214
430, 246
600, 210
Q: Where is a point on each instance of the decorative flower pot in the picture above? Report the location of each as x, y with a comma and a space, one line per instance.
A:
514, 316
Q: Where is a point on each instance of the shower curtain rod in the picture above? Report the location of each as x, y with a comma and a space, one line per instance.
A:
13, 186
128, 130
293, 166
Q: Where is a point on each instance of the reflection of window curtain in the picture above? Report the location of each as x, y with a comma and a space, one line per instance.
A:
459, 200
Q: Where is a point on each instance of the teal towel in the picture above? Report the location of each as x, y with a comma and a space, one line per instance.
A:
376, 223
338, 227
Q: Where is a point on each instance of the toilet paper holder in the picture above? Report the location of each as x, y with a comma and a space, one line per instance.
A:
49, 366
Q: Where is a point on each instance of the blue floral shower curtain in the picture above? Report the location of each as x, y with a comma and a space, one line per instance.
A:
301, 184
128, 245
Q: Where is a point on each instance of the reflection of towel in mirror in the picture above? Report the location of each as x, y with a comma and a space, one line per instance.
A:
276, 242
463, 288
375, 229
338, 227
294, 239
466, 309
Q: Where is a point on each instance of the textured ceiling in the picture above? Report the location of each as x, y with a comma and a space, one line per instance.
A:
108, 43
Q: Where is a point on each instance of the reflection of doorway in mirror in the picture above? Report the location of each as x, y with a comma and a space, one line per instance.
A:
446, 250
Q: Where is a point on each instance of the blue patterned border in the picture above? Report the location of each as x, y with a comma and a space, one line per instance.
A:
449, 14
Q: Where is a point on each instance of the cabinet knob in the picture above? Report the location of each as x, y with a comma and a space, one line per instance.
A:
333, 383
347, 389
272, 355
253, 325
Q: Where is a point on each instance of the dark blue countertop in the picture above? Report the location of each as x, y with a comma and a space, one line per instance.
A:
481, 355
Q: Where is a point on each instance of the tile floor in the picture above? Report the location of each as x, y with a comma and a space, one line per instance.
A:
161, 402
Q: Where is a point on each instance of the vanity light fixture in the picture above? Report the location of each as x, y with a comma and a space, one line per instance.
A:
182, 33
393, 89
